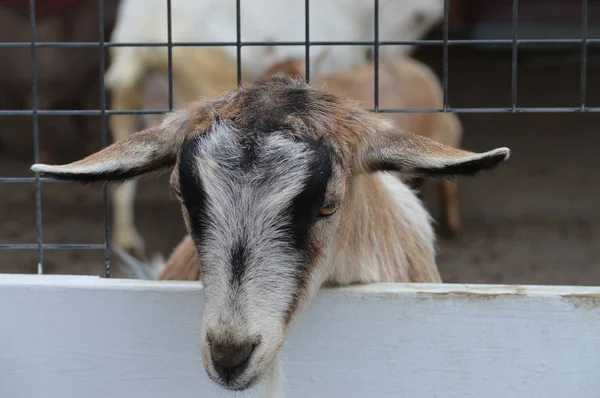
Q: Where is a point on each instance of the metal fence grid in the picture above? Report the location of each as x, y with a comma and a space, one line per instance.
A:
445, 42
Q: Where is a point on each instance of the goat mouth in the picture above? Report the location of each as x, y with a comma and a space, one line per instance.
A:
237, 384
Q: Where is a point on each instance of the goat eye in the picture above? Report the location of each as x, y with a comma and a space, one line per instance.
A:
177, 194
328, 209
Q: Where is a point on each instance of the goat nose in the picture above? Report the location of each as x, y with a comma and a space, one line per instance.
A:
230, 360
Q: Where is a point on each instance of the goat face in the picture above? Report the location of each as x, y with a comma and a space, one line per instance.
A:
261, 173
261, 209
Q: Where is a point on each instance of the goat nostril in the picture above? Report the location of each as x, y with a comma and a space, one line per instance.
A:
231, 360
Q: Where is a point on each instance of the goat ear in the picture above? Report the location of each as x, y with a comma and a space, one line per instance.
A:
413, 154
148, 150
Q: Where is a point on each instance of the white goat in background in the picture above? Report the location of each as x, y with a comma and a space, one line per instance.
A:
206, 72
284, 188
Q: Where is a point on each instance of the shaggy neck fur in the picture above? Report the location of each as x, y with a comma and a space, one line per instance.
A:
385, 235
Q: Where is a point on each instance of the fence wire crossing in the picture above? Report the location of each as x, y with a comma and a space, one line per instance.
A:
103, 112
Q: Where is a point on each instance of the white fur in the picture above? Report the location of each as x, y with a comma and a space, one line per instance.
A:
433, 162
96, 168
270, 20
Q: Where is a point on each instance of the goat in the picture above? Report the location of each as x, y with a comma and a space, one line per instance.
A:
404, 83
214, 20
283, 188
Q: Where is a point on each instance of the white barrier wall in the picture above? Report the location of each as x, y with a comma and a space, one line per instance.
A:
70, 337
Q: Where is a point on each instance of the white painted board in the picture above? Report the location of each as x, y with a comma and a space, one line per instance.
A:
67, 337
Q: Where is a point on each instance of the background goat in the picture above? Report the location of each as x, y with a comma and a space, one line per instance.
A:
264, 20
281, 190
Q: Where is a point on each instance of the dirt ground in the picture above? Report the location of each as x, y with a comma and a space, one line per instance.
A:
536, 220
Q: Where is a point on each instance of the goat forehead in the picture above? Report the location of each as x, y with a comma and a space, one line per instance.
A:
268, 109
254, 159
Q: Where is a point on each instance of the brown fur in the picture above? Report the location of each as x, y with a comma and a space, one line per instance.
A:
183, 263
373, 209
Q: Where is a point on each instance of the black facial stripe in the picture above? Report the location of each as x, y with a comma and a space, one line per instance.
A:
249, 144
192, 189
306, 205
238, 263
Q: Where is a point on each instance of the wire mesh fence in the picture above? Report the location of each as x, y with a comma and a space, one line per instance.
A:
515, 42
